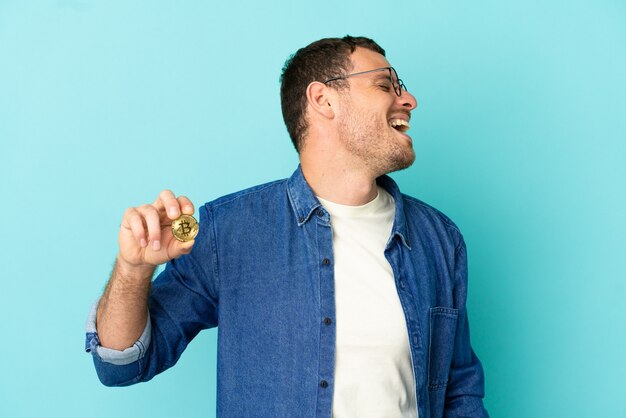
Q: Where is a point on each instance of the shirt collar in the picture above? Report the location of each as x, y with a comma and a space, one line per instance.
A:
399, 221
302, 198
304, 202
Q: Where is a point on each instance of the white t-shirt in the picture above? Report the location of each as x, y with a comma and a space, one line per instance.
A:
373, 368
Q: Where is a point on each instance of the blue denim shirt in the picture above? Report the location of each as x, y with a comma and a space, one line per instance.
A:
262, 271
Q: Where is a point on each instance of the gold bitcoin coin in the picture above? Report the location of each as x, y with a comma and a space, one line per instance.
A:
185, 228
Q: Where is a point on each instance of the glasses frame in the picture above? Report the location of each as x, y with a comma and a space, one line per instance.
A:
397, 86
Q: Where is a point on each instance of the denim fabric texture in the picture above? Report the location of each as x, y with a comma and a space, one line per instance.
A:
262, 269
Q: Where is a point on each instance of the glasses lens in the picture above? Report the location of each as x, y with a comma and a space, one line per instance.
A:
402, 86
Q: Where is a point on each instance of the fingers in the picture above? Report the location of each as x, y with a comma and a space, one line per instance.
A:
134, 222
153, 223
145, 225
186, 205
145, 235
146, 221
172, 206
186, 247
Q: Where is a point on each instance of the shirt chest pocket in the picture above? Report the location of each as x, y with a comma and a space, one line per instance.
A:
441, 345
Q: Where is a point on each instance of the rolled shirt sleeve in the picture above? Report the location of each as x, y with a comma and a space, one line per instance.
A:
109, 355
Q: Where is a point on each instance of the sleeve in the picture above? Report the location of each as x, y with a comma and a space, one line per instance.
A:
466, 384
183, 301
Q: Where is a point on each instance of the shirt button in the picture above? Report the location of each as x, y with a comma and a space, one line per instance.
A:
402, 284
324, 384
301, 219
326, 261
320, 213
328, 321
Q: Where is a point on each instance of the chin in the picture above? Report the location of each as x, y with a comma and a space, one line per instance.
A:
400, 162
404, 160
402, 165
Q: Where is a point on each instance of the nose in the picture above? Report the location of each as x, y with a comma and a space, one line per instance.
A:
408, 100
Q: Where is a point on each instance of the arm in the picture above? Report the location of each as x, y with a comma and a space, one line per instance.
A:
466, 387
120, 332
122, 312
145, 241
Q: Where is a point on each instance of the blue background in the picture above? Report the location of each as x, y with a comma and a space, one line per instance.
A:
520, 138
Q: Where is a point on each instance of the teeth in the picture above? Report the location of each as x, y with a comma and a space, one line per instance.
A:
400, 124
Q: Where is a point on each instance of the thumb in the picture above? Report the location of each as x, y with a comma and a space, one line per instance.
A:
185, 247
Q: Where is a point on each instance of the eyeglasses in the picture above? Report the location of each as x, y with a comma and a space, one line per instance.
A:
397, 84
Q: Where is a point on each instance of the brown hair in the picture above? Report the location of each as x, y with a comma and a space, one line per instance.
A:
319, 61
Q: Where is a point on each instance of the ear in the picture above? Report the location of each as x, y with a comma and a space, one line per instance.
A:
319, 98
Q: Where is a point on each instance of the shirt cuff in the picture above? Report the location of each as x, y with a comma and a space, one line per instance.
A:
109, 355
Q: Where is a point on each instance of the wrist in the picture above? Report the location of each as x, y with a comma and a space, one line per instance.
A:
130, 270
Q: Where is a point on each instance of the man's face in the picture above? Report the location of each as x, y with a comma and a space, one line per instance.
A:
370, 121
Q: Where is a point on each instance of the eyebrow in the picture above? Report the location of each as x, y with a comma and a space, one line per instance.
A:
382, 75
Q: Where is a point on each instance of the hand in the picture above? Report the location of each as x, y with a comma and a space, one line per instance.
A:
145, 236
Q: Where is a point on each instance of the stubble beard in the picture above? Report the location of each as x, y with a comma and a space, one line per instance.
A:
382, 151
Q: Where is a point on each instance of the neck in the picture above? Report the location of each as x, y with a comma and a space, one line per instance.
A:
334, 180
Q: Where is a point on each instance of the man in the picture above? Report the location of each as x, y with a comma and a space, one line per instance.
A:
333, 293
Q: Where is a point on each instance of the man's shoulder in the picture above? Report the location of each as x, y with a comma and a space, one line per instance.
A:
418, 206
259, 193
416, 211
421, 213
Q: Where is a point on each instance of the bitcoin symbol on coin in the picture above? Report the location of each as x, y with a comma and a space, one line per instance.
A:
185, 228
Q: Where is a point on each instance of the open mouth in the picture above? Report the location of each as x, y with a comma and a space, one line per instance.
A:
400, 125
